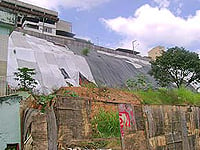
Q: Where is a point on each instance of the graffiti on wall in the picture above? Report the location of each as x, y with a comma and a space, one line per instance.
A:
126, 118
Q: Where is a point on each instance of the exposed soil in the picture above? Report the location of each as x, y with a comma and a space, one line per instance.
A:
102, 94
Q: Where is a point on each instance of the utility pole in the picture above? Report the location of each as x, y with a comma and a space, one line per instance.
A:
98, 41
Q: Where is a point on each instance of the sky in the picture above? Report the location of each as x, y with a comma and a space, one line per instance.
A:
117, 23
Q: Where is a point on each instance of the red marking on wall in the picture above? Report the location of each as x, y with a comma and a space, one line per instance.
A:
126, 117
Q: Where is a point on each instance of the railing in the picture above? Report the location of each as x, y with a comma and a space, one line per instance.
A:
5, 88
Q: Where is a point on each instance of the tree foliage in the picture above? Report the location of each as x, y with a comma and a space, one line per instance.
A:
176, 65
25, 78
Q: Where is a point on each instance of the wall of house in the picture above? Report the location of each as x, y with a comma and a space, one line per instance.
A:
156, 52
4, 36
9, 121
64, 26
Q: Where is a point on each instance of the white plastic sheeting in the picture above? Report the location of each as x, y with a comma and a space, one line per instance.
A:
47, 59
137, 63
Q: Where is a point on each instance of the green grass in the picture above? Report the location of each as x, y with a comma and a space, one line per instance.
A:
165, 96
106, 124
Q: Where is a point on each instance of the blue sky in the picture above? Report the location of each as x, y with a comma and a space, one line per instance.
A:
116, 23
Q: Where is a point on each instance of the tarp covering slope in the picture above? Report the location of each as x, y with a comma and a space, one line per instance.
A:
48, 60
57, 65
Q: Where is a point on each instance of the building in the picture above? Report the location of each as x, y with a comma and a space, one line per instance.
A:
7, 23
64, 28
156, 52
10, 129
37, 19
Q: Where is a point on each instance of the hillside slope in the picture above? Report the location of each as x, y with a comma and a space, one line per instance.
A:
58, 65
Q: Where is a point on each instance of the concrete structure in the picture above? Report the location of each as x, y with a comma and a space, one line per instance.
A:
10, 122
142, 127
156, 52
64, 28
7, 22
37, 19
127, 51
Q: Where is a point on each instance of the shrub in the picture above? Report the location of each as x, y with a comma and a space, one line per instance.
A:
140, 82
85, 51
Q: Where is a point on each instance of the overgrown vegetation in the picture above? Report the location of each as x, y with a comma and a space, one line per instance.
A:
44, 100
105, 124
85, 51
25, 78
140, 82
181, 96
89, 85
70, 93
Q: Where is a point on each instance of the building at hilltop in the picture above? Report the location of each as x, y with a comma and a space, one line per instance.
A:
156, 52
37, 19
45, 43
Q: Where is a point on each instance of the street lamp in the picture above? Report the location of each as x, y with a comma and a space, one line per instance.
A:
133, 43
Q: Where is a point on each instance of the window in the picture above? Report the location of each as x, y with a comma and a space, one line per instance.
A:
12, 147
32, 26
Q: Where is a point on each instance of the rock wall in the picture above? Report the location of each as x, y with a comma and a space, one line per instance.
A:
172, 127
72, 120
142, 127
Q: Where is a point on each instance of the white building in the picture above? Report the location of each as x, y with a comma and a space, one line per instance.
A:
37, 19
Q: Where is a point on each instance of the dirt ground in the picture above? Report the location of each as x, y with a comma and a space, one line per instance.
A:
102, 94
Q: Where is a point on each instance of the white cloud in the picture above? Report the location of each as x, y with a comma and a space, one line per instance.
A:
163, 3
151, 26
78, 4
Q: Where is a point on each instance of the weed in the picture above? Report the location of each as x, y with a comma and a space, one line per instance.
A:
89, 85
85, 51
70, 94
106, 124
44, 100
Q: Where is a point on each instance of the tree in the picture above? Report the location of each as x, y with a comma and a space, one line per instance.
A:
176, 65
25, 77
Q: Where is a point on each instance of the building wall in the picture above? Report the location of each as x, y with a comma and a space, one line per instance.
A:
4, 36
64, 26
156, 52
33, 7
40, 25
9, 121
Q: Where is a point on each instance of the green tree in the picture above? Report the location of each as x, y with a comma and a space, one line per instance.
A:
176, 65
25, 78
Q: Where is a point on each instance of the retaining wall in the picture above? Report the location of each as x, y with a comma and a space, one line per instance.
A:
142, 127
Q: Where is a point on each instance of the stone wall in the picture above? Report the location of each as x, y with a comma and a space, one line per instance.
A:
155, 127
62, 124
